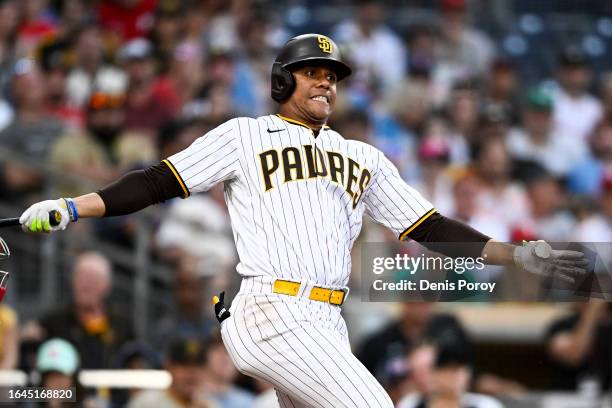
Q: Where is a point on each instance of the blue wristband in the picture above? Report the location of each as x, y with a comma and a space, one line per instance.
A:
72, 210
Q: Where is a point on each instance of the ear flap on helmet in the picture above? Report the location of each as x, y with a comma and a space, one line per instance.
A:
283, 83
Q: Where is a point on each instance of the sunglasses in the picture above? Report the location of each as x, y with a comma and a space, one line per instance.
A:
101, 100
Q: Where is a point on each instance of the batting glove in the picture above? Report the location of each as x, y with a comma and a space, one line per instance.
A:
539, 258
36, 218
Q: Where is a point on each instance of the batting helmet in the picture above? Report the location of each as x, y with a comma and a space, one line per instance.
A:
299, 51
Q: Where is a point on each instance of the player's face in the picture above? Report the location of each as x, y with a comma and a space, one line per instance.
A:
315, 93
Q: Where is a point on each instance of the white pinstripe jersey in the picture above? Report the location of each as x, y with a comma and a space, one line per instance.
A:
296, 201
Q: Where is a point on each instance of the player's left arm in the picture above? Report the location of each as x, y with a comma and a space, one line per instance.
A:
393, 203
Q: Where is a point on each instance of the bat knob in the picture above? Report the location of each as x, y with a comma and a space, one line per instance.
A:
55, 217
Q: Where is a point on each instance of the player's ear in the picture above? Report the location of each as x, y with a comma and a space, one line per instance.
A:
283, 82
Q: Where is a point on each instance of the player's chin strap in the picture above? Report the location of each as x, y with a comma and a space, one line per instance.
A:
220, 311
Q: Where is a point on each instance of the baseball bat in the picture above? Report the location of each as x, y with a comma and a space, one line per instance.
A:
55, 217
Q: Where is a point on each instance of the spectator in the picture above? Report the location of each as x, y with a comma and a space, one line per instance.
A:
540, 142
417, 323
89, 70
500, 199
184, 78
422, 62
89, 322
579, 345
549, 217
369, 42
463, 51
185, 361
31, 132
502, 86
450, 379
168, 30
55, 63
465, 194
462, 113
435, 182
9, 338
576, 111
190, 319
92, 153
146, 108
57, 361
596, 226
587, 177
219, 378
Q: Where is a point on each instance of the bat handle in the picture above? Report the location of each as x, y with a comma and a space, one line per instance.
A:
55, 217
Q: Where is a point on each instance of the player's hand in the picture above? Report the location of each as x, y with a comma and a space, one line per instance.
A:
36, 218
539, 258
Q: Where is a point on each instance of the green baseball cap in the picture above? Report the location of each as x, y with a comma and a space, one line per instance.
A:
57, 355
539, 99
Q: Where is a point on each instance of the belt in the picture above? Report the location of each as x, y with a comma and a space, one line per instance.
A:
289, 288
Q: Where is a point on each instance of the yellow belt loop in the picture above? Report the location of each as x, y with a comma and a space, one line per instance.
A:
335, 297
286, 287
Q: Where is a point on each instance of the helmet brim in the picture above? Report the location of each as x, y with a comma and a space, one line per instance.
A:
340, 68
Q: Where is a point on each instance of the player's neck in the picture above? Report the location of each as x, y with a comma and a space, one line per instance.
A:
285, 111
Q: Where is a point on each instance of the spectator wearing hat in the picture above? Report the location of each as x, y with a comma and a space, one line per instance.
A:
576, 112
418, 322
539, 141
446, 381
57, 361
146, 108
185, 361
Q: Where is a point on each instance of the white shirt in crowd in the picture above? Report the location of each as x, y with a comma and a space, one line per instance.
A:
575, 117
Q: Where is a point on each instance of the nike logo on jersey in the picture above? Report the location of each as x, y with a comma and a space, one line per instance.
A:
309, 163
275, 130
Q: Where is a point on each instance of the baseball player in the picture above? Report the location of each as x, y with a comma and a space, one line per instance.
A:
296, 191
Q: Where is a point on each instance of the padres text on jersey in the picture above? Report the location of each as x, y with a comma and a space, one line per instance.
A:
302, 197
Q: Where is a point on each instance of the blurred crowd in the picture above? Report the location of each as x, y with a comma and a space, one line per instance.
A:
91, 89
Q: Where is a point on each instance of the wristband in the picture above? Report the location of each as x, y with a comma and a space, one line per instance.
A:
72, 210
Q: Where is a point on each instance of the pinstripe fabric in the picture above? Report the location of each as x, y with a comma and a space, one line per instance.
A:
296, 204
295, 344
298, 230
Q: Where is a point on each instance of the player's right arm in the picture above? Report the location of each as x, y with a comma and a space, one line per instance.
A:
211, 159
